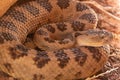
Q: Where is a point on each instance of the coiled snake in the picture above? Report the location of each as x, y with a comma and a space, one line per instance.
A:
74, 62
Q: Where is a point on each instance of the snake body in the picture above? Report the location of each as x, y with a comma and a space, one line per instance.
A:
64, 64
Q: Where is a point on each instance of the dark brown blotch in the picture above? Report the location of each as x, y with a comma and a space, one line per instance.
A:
91, 18
7, 36
49, 40
16, 78
13, 54
96, 54
80, 56
61, 26
45, 4
31, 9
17, 15
81, 7
8, 25
41, 32
38, 49
50, 28
1, 40
63, 4
78, 26
22, 48
18, 51
8, 67
41, 59
62, 58
38, 77
58, 77
77, 34
4, 75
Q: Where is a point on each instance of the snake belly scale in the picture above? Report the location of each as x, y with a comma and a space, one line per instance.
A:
65, 64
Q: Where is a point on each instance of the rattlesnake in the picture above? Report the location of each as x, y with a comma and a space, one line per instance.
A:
64, 64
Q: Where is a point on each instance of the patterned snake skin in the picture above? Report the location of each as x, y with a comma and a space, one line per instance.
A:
65, 64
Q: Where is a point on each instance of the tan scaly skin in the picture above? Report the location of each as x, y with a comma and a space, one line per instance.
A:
64, 64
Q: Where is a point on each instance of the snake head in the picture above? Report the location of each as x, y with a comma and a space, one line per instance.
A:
94, 37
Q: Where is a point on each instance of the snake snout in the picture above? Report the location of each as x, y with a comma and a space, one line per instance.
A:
101, 36
94, 37
105, 36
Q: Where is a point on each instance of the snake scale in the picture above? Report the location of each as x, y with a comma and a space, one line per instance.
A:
24, 63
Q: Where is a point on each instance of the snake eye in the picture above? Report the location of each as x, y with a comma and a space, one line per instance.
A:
102, 36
